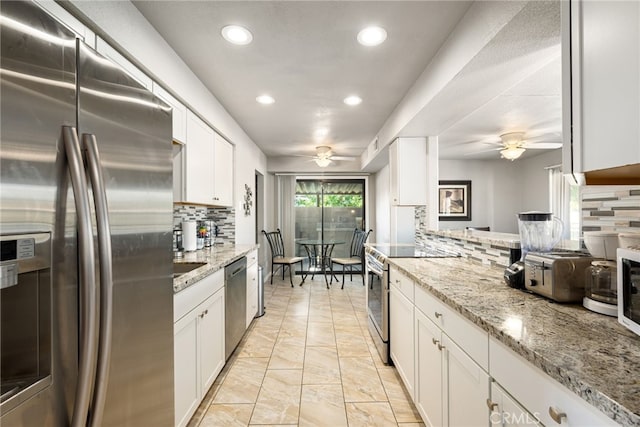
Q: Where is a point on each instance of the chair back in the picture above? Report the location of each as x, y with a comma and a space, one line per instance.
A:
357, 242
274, 238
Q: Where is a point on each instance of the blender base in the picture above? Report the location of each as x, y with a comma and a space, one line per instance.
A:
600, 307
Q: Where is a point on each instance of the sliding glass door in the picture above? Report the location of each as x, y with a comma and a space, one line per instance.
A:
327, 211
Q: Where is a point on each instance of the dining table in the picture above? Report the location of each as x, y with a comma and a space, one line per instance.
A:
319, 253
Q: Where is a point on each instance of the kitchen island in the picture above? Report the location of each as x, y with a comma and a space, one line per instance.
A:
591, 355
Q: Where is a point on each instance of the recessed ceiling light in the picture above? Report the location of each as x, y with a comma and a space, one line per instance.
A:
352, 100
372, 36
265, 99
236, 34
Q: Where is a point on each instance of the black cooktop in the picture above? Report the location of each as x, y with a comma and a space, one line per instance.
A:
412, 251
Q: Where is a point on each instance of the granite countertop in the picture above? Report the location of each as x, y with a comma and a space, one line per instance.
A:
591, 354
505, 240
214, 259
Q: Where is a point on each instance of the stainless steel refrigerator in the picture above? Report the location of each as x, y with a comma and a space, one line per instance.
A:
86, 227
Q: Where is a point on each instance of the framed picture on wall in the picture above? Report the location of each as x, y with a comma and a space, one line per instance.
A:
454, 200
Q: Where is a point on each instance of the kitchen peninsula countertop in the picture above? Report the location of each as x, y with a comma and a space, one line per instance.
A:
214, 258
505, 240
590, 354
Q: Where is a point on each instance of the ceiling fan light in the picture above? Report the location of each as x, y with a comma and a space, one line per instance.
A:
323, 162
512, 153
323, 151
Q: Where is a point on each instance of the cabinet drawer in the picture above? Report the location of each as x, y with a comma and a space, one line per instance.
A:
252, 258
538, 392
473, 340
404, 284
186, 300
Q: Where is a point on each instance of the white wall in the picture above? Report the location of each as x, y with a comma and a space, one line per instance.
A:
120, 23
382, 206
501, 188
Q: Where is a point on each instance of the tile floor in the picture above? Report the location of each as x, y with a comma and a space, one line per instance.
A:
309, 361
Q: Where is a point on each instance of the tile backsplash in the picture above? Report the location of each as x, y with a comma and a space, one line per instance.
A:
610, 208
224, 218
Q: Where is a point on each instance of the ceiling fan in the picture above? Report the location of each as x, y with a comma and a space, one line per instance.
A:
324, 156
513, 145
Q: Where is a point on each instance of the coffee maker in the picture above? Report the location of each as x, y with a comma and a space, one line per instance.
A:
539, 232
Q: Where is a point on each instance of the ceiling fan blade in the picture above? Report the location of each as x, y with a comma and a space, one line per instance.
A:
345, 158
542, 145
473, 153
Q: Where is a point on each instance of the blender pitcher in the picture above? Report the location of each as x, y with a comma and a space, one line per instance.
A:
539, 232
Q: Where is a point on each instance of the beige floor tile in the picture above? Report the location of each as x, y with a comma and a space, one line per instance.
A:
360, 380
219, 415
403, 408
351, 342
243, 381
279, 398
287, 356
322, 405
370, 414
259, 343
321, 366
320, 334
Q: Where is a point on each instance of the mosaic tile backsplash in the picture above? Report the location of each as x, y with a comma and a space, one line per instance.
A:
610, 208
483, 253
225, 219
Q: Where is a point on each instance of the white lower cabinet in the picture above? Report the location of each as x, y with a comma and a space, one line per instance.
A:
198, 343
506, 412
540, 395
466, 387
401, 336
428, 384
252, 286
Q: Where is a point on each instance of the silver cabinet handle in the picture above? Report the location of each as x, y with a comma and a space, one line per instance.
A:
106, 278
88, 317
491, 405
438, 315
435, 341
440, 347
556, 414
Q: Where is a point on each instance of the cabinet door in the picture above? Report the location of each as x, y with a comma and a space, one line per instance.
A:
408, 171
428, 362
466, 388
186, 375
199, 161
178, 115
69, 21
252, 291
211, 339
223, 172
506, 412
401, 336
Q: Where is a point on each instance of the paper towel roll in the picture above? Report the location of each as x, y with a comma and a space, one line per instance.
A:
189, 236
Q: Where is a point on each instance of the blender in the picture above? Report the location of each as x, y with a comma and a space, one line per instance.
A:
539, 232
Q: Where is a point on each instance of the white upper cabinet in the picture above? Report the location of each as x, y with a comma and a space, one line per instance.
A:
108, 51
408, 171
178, 116
601, 89
223, 172
198, 173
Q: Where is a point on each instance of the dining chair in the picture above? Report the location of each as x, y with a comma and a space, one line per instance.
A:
274, 238
356, 256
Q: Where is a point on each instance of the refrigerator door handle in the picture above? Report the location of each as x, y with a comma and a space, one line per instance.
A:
94, 168
86, 276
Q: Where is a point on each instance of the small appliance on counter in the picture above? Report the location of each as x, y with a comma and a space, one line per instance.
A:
177, 243
539, 232
628, 261
601, 284
559, 276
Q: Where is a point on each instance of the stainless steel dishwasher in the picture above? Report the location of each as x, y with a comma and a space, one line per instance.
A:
235, 304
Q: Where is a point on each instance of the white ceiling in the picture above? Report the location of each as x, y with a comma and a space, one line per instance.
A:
305, 54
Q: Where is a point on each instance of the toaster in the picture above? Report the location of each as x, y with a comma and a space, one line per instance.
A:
559, 276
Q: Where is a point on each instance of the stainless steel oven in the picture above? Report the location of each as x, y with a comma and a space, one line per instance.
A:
376, 260
378, 302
